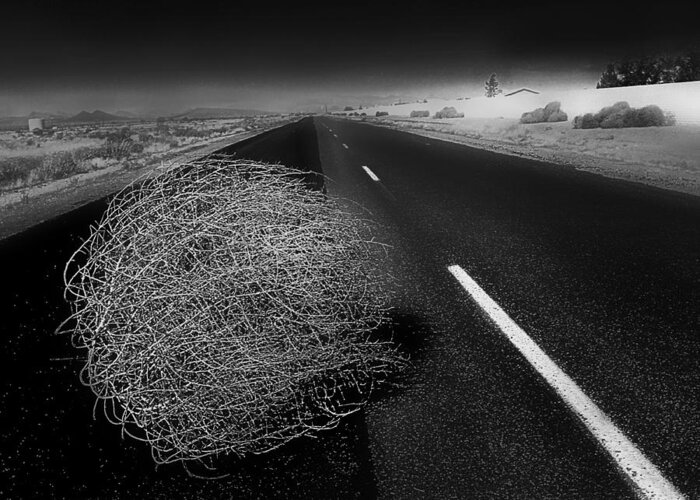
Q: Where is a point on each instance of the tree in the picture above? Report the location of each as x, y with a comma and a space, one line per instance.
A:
609, 78
491, 86
652, 70
689, 67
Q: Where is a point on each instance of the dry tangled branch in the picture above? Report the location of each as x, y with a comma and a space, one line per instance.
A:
226, 308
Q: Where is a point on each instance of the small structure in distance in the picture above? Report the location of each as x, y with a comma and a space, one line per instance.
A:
36, 124
522, 90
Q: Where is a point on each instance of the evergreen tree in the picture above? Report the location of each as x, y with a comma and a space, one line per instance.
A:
689, 67
652, 70
491, 86
609, 78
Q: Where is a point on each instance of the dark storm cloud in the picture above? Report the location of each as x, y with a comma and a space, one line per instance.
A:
317, 45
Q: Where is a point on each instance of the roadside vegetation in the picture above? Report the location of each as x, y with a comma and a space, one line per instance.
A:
550, 113
621, 115
31, 158
448, 112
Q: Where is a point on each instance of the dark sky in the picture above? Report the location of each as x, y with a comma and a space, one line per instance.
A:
164, 55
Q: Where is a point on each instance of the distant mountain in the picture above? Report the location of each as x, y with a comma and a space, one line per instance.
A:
94, 117
127, 114
21, 122
204, 113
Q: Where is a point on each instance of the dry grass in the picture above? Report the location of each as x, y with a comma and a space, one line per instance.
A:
28, 160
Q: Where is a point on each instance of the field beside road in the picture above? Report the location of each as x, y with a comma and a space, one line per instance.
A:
42, 176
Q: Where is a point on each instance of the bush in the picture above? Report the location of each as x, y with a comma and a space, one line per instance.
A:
16, 171
614, 120
621, 107
621, 115
56, 166
448, 112
552, 107
227, 308
586, 121
649, 116
557, 116
420, 114
381, 113
115, 148
550, 113
669, 119
536, 116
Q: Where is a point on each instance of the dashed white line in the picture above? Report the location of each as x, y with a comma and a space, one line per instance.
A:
370, 173
632, 462
345, 146
334, 135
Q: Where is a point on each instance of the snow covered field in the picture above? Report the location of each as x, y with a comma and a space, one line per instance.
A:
681, 99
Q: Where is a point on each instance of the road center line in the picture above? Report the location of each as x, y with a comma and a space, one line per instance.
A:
370, 173
345, 146
632, 462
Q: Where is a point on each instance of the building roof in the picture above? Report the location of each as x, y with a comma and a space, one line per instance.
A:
522, 90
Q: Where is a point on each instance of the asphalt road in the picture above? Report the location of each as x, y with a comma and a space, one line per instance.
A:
602, 274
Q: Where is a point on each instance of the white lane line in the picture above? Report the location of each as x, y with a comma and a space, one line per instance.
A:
370, 173
334, 135
647, 478
345, 146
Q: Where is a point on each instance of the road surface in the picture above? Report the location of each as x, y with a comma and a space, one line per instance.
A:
601, 275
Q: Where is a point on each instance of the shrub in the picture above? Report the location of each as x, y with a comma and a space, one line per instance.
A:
621, 115
115, 148
536, 116
55, 166
420, 113
557, 116
550, 113
586, 121
16, 171
619, 107
552, 107
448, 112
614, 120
649, 116
227, 308
381, 113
